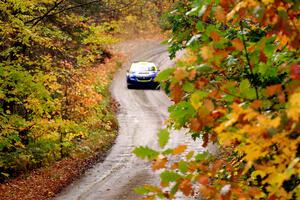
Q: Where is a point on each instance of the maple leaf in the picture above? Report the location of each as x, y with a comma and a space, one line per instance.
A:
180, 74
220, 14
180, 149
159, 163
215, 36
207, 52
195, 125
186, 187
203, 179
176, 92
295, 71
238, 44
274, 89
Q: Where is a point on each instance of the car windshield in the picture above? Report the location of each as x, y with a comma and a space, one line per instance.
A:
138, 67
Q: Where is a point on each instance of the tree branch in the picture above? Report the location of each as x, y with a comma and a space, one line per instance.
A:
40, 18
248, 60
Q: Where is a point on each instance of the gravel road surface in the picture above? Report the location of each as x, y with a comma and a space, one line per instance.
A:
142, 113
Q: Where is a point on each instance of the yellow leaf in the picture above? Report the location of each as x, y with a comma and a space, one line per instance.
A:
293, 111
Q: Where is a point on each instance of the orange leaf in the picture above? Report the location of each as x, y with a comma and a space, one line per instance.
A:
180, 149
164, 184
215, 36
207, 52
209, 104
186, 187
220, 14
273, 89
256, 104
192, 74
176, 93
159, 163
238, 44
179, 74
195, 125
203, 179
174, 166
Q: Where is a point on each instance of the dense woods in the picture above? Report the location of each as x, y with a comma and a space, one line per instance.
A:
53, 84
238, 87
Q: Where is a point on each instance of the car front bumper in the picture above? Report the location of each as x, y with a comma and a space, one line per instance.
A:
142, 83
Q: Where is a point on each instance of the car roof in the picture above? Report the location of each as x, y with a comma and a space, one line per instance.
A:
143, 63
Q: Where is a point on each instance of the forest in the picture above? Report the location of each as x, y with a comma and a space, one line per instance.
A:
238, 87
50, 98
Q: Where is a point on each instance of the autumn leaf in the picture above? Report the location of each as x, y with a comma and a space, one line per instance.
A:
180, 74
176, 92
220, 14
186, 187
180, 149
159, 163
192, 74
203, 179
238, 44
274, 89
207, 52
195, 125
295, 71
262, 57
215, 36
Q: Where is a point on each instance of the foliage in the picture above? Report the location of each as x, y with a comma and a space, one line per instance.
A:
239, 88
53, 86
49, 96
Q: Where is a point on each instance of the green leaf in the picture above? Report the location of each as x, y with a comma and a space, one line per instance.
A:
168, 152
200, 26
174, 189
202, 156
188, 87
204, 68
244, 86
145, 152
183, 166
164, 75
181, 113
142, 190
169, 176
163, 137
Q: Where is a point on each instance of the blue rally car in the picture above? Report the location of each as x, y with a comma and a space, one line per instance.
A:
142, 74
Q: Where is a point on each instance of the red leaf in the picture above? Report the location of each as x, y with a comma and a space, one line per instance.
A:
295, 72
262, 57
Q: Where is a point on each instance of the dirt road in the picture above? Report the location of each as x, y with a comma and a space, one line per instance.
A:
142, 113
